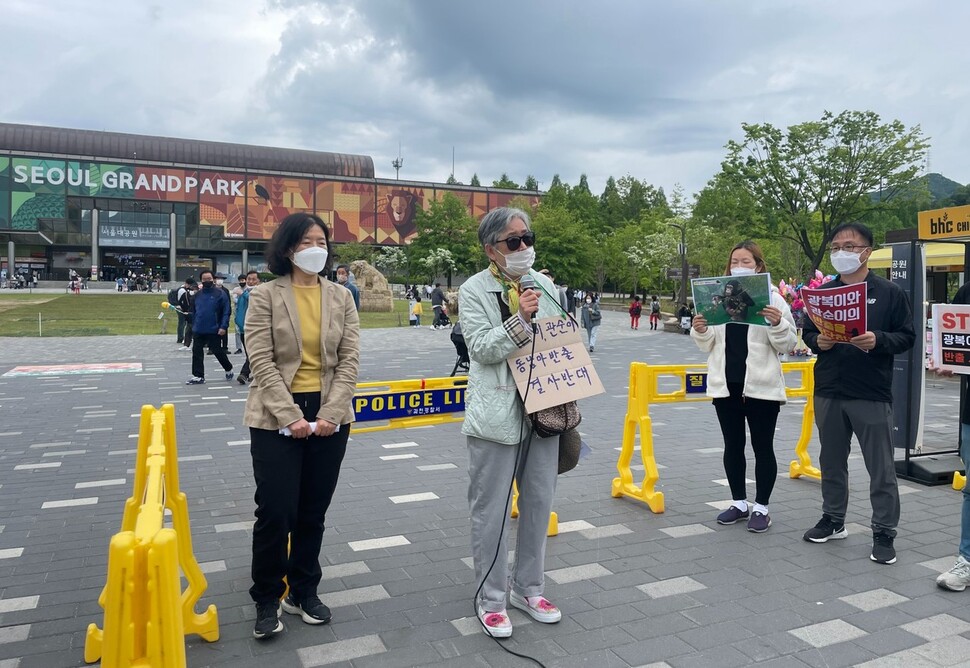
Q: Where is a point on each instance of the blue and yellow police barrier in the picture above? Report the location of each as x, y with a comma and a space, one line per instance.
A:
409, 403
418, 403
146, 615
644, 390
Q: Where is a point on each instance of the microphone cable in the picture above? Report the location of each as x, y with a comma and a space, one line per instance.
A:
521, 454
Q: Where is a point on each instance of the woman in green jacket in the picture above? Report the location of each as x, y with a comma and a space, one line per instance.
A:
495, 316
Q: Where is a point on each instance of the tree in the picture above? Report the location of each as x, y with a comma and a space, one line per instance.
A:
505, 182
584, 206
447, 224
611, 204
437, 262
558, 193
819, 174
353, 251
475, 182
391, 258
452, 181
563, 246
960, 197
639, 198
531, 183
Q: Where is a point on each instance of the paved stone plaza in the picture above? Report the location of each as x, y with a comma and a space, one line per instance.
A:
636, 589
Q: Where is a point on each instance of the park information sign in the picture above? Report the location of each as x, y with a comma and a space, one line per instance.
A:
560, 367
725, 299
840, 312
945, 223
951, 337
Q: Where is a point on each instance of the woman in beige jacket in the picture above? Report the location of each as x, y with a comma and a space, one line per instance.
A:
302, 336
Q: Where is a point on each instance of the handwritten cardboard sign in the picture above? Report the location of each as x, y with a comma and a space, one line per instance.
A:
839, 313
561, 369
951, 337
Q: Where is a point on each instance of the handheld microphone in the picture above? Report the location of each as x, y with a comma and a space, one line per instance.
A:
528, 283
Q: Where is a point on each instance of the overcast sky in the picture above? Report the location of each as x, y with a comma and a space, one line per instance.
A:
649, 88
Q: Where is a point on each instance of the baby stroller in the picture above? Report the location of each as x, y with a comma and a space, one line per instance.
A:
441, 319
461, 364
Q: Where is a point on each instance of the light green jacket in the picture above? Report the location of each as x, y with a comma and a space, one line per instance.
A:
493, 410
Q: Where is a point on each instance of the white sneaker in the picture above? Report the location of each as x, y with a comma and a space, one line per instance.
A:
495, 624
537, 607
957, 578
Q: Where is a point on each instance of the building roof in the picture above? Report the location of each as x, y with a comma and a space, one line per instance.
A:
96, 144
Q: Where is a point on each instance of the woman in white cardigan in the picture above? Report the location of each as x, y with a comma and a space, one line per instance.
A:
746, 383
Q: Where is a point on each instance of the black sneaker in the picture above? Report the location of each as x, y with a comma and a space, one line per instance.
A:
883, 551
229, 376
310, 608
268, 621
827, 529
242, 379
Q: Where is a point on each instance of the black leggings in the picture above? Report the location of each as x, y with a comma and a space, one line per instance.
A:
762, 416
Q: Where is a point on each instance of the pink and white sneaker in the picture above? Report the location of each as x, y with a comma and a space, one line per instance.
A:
495, 624
537, 607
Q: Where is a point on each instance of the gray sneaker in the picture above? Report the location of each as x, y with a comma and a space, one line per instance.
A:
957, 578
759, 522
732, 515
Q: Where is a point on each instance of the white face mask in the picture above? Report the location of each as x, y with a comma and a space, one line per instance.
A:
519, 263
311, 260
846, 262
742, 271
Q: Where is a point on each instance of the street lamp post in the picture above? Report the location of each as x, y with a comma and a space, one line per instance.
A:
683, 261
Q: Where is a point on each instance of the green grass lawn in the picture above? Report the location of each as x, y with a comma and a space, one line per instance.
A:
126, 313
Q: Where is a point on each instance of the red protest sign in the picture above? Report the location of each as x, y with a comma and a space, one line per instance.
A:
839, 312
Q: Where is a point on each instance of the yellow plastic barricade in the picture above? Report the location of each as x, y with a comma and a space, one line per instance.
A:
959, 481
644, 390
146, 615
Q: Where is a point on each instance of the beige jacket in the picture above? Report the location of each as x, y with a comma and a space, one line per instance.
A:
274, 346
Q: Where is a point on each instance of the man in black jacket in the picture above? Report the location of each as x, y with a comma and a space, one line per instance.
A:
853, 395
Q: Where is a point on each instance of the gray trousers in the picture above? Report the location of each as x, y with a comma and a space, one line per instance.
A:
871, 422
490, 467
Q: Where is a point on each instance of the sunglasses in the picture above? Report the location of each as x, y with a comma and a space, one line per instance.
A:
514, 242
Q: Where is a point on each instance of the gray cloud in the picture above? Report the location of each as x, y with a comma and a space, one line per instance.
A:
654, 89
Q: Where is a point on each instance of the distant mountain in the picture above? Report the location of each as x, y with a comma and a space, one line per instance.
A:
940, 187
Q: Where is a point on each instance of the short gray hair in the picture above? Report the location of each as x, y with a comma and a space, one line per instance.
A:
496, 220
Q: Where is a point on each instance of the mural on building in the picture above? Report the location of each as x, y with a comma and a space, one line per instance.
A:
349, 210
270, 199
396, 209
4, 192
237, 205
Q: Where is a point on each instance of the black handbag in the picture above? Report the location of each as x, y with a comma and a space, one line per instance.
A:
569, 447
556, 420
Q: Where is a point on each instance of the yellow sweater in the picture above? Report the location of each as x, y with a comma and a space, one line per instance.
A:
307, 378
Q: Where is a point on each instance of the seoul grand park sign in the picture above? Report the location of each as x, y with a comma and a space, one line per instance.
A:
149, 182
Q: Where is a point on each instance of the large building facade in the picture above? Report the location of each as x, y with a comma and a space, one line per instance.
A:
106, 203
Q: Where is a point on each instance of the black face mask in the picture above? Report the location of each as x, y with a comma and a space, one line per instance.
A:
206, 285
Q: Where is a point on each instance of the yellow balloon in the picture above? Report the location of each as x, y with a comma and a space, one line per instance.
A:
166, 305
